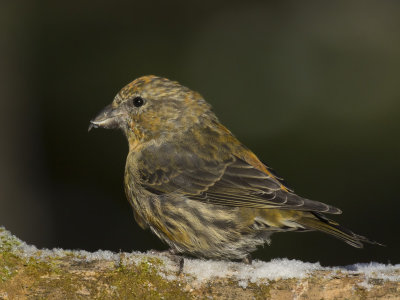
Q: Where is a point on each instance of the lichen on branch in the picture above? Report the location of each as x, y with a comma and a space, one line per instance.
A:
27, 272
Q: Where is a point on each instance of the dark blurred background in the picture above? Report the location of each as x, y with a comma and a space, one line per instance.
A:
312, 87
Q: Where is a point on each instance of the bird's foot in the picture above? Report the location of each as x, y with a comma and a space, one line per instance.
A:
247, 259
174, 256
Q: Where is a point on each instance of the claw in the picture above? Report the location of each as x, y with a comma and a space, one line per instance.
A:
248, 259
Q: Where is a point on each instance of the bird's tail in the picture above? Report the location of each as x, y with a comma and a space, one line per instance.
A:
319, 222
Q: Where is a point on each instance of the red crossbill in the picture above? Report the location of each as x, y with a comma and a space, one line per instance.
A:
194, 185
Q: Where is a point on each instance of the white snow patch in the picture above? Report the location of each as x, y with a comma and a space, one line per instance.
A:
375, 270
281, 268
365, 285
98, 255
243, 283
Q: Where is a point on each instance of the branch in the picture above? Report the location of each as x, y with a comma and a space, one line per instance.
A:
26, 271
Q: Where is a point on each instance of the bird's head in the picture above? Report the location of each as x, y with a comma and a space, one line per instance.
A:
151, 107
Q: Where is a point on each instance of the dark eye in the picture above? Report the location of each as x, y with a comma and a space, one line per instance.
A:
138, 101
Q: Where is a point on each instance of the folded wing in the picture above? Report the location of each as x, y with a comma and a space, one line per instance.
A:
228, 181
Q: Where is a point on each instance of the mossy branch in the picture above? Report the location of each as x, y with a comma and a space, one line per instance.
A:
26, 272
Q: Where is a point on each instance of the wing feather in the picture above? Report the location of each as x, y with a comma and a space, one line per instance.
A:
230, 181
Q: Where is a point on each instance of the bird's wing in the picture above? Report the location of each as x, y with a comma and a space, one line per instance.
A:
230, 181
242, 185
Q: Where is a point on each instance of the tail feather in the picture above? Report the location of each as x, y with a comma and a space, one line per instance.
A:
321, 223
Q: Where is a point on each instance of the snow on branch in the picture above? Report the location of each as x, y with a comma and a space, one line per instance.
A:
26, 271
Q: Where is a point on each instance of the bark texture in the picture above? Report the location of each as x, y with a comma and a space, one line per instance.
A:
29, 273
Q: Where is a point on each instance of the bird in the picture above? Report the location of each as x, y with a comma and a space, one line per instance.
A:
195, 185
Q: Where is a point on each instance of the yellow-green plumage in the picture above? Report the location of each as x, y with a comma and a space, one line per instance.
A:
192, 183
